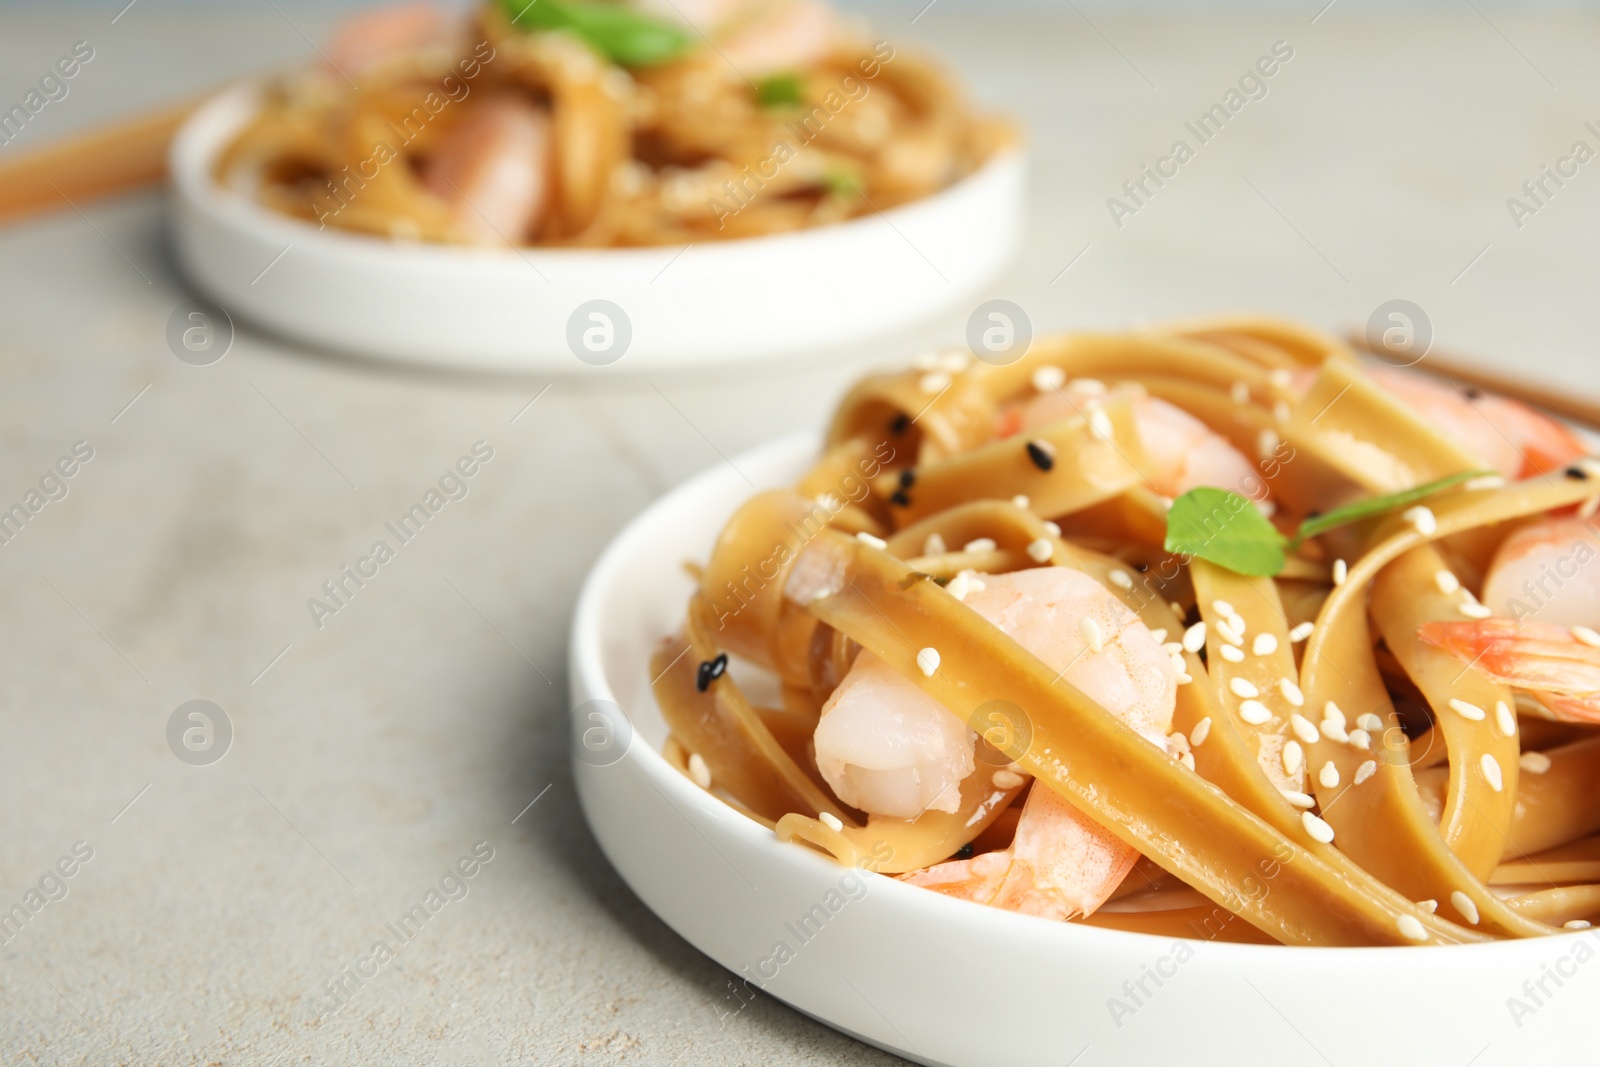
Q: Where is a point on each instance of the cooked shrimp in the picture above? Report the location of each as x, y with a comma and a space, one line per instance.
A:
493, 168
1061, 863
1546, 661
758, 37
1546, 570
369, 38
1511, 437
1182, 451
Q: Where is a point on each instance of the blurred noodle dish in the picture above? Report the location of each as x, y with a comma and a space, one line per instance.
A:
590, 123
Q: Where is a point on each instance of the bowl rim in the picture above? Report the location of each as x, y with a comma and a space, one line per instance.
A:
588, 678
206, 132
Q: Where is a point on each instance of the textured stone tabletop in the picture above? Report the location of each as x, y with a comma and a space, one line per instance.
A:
208, 908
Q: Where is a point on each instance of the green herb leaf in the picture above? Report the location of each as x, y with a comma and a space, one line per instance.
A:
840, 181
780, 90
1226, 529
622, 35
1377, 505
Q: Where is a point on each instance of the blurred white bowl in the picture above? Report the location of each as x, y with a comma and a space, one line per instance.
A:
509, 309
940, 981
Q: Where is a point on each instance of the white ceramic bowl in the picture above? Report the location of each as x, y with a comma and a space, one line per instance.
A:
505, 309
940, 981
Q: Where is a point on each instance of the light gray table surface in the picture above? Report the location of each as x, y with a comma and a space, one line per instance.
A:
372, 753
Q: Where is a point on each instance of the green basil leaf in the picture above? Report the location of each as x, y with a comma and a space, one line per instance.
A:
1377, 505
780, 90
1226, 529
622, 35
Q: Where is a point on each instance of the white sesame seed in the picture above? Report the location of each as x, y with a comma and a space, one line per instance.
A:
1049, 379
1491, 771
1317, 828
1575, 924
1041, 550
937, 382
1194, 638
1294, 757
933, 546
698, 771
1177, 609
1301, 632
1240, 393
1223, 608
1091, 386
1123, 580
1534, 762
1299, 799
1091, 633
1473, 610
1185, 678
928, 661
959, 586
1242, 688
1361, 739
1421, 517
831, 502
1264, 645
1367, 769
1430, 905
926, 361
976, 584
1170, 647
1254, 712
1334, 730
1006, 779
1051, 528
1231, 654
1179, 664
1237, 624
1328, 777
1370, 723
1280, 411
1446, 581
979, 544
831, 821
1411, 928
1466, 710
1267, 508
1341, 571
1590, 505
1100, 424
954, 360
867, 539
1587, 636
1187, 759
1159, 633
1228, 633
1304, 728
1331, 712
1177, 742
1503, 717
1465, 906
1484, 481
1291, 692
1267, 443
1201, 731
1021, 500
1590, 465
1281, 377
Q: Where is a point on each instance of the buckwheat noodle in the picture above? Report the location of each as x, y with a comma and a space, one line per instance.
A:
1407, 820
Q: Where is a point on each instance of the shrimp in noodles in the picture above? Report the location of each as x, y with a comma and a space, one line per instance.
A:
494, 170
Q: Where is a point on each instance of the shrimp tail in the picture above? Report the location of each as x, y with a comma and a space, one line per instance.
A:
1538, 658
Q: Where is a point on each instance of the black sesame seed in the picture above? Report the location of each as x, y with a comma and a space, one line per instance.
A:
964, 852
900, 425
1313, 514
908, 478
899, 498
1577, 474
1472, 392
1041, 459
710, 671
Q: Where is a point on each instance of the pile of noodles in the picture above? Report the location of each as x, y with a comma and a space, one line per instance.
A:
681, 151
1423, 838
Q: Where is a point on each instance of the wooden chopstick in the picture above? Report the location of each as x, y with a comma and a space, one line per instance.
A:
1464, 372
111, 159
